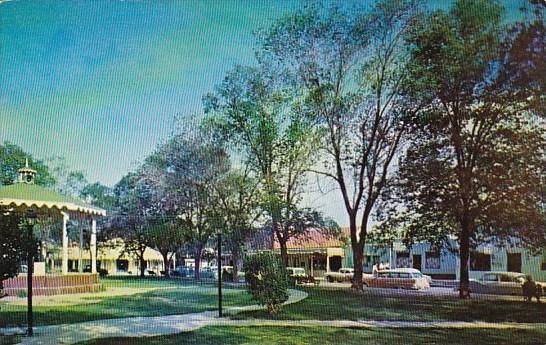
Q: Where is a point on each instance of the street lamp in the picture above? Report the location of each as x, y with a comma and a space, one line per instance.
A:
219, 248
31, 249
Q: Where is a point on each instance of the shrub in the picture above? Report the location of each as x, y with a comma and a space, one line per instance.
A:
265, 277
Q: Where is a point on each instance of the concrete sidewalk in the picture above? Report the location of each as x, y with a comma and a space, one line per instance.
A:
132, 326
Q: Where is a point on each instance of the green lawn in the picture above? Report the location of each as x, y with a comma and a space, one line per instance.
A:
180, 298
345, 336
9, 339
343, 304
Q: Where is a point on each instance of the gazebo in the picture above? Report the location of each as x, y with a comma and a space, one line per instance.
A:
32, 200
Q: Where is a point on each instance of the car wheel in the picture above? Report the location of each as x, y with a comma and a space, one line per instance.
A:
329, 279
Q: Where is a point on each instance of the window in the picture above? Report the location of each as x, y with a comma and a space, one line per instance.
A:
404, 275
432, 260
490, 278
480, 262
403, 260
122, 265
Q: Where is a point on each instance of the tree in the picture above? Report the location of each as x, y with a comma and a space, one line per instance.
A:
349, 71
188, 166
475, 169
167, 237
98, 195
13, 158
252, 113
133, 208
68, 182
11, 244
238, 211
266, 279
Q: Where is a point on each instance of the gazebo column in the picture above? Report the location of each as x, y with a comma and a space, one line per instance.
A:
80, 257
93, 245
65, 243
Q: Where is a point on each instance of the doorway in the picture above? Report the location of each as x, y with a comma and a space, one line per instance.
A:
514, 262
417, 261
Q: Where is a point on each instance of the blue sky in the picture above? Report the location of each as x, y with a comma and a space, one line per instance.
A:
100, 82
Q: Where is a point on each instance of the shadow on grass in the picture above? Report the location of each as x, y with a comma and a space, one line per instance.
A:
346, 336
178, 299
346, 305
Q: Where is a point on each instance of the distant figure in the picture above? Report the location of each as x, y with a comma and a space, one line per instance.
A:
531, 289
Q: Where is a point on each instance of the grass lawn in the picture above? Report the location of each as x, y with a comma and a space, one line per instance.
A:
343, 304
177, 298
345, 336
9, 339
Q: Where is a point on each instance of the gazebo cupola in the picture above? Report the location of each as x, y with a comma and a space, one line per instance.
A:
26, 174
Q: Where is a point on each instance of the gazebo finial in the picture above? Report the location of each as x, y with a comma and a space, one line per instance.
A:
26, 174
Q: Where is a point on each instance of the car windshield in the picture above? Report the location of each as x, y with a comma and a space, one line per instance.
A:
417, 275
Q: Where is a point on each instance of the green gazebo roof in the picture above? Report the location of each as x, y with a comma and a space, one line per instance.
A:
30, 195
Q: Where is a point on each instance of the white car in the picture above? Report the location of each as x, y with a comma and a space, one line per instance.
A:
413, 270
400, 278
344, 274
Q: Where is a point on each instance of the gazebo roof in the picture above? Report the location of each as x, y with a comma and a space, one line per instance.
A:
31, 195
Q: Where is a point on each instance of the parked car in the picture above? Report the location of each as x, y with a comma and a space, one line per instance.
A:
184, 272
344, 274
414, 270
500, 283
397, 279
208, 273
298, 276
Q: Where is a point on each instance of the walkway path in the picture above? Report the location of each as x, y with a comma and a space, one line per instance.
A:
172, 324
132, 326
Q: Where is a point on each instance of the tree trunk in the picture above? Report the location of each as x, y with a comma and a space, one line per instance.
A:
142, 264
284, 252
357, 245
464, 256
197, 257
235, 258
166, 264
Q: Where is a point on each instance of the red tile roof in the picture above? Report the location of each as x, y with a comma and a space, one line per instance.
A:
314, 239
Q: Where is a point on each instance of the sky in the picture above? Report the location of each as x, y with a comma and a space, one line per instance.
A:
100, 82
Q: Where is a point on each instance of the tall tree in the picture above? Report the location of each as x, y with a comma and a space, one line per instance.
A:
188, 166
238, 211
13, 158
348, 68
476, 167
250, 111
167, 237
133, 210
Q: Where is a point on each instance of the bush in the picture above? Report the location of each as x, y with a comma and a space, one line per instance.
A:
266, 280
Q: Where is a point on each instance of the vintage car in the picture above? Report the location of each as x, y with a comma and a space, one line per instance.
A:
397, 279
297, 276
501, 283
343, 275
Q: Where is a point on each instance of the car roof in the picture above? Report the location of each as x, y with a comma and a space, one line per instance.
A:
402, 270
513, 274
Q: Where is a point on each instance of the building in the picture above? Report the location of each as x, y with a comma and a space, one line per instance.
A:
110, 257
445, 263
489, 257
316, 252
